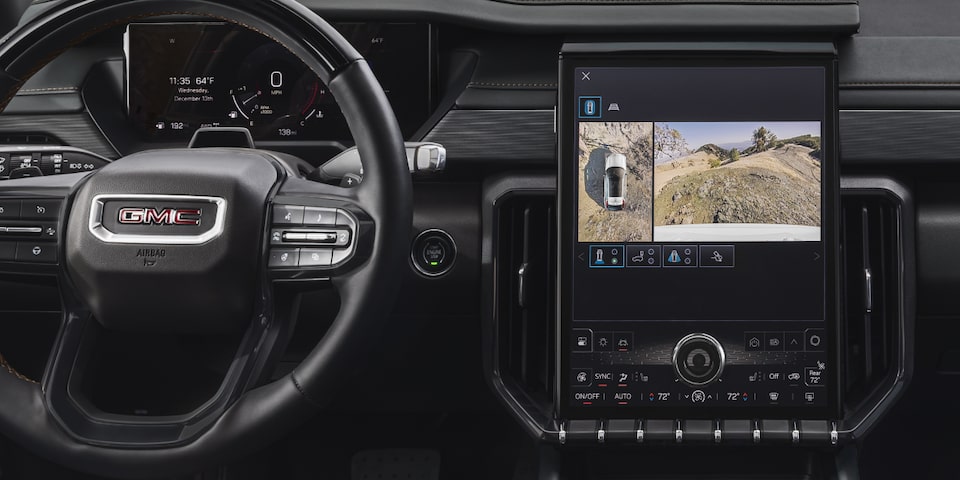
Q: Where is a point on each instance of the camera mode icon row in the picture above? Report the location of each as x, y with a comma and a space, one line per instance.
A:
656, 256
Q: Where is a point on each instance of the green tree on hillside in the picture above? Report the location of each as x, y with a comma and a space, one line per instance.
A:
734, 154
763, 139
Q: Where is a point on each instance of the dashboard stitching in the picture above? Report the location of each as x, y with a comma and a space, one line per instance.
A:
498, 84
303, 392
47, 89
12, 371
680, 2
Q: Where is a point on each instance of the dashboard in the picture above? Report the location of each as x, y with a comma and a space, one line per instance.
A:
663, 226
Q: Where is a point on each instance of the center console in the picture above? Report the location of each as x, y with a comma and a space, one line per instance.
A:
698, 235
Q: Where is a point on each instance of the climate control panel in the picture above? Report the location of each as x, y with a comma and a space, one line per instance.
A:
622, 366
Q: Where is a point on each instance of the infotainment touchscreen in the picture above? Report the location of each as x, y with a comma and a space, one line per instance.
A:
698, 235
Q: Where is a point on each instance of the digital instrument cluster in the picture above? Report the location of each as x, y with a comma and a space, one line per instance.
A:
184, 76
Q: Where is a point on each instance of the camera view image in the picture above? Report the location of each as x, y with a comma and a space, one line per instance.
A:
737, 181
616, 182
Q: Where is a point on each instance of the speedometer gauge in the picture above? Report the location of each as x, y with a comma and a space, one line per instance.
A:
274, 92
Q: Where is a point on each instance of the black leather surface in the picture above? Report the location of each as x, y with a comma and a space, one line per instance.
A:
57, 86
738, 18
10, 11
899, 62
258, 417
386, 194
513, 72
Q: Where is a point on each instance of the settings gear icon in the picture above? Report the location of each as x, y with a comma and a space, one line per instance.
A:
603, 341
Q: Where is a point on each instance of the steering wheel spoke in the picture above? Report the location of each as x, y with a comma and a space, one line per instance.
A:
71, 363
32, 215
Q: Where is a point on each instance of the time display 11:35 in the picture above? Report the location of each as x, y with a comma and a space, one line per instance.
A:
186, 81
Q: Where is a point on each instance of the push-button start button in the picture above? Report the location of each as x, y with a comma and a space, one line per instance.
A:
698, 359
433, 252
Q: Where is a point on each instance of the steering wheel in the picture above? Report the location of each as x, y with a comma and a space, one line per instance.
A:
184, 241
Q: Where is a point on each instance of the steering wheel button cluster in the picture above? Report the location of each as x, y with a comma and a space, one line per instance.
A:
320, 236
287, 215
23, 238
284, 257
9, 209
36, 252
320, 216
40, 209
316, 257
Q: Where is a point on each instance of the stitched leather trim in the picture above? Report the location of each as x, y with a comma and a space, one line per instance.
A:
679, 2
13, 371
511, 85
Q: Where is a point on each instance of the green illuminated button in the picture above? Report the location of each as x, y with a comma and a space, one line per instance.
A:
433, 252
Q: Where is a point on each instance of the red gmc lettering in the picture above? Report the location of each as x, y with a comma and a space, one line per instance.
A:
163, 216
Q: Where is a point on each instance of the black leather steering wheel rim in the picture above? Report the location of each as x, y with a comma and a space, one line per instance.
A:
264, 413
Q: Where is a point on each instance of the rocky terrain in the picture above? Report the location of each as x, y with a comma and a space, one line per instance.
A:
778, 186
635, 141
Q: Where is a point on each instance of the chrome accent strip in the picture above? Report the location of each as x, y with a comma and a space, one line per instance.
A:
95, 224
21, 229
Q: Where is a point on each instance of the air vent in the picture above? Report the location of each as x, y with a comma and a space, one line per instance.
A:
525, 273
870, 261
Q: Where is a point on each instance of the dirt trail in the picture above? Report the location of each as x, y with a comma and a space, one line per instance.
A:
790, 159
690, 164
780, 186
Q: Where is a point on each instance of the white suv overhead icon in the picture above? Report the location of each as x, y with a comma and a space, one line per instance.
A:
614, 175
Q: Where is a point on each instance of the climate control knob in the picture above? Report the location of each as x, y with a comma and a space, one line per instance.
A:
698, 359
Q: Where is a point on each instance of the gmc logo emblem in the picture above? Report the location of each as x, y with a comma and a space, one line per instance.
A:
161, 216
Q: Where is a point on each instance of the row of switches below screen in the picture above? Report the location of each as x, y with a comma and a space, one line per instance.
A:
699, 431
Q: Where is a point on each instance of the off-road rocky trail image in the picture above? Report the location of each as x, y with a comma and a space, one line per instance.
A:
776, 186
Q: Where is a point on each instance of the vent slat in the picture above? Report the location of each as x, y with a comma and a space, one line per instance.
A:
868, 257
525, 263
